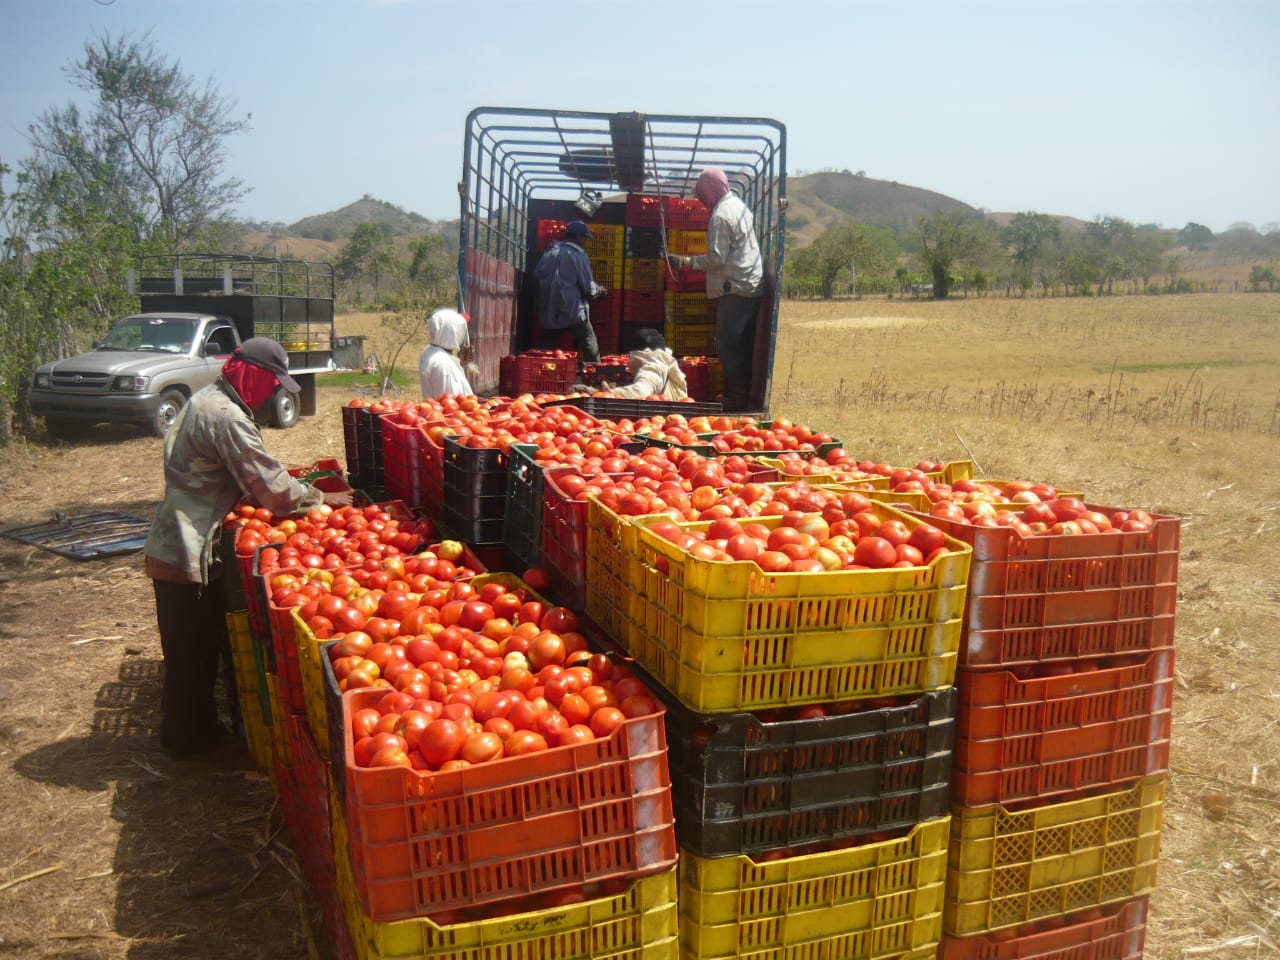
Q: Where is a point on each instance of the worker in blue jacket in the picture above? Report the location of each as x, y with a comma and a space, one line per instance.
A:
565, 288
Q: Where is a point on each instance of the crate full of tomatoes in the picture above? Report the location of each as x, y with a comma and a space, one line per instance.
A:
496, 757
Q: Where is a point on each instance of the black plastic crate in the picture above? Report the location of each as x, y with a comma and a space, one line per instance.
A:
479, 533
617, 408
522, 519
472, 459
644, 242
741, 785
352, 428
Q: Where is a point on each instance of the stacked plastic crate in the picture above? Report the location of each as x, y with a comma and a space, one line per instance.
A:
810, 720
1062, 742
643, 268
691, 317
565, 852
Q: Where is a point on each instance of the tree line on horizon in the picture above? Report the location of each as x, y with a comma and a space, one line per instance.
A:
141, 171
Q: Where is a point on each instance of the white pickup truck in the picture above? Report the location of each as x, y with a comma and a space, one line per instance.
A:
197, 309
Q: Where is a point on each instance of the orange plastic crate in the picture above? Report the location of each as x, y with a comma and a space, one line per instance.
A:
1110, 933
1043, 598
426, 842
1046, 737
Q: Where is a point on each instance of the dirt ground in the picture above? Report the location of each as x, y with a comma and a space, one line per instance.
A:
110, 850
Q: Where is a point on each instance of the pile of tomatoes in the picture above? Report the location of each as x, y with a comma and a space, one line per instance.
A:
327, 537
1061, 516
848, 535
471, 674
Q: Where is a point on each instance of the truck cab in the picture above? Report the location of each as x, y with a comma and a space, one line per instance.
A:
198, 308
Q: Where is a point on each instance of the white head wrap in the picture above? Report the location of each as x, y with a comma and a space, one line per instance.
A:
448, 329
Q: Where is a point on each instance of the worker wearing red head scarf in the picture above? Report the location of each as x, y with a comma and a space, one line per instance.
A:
214, 456
735, 280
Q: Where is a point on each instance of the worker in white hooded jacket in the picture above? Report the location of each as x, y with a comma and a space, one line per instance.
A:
654, 370
439, 369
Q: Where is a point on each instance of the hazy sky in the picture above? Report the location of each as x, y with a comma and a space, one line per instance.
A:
1157, 111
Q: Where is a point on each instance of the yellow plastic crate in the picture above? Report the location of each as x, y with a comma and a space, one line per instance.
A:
688, 242
637, 924
1007, 868
868, 902
607, 271
249, 683
312, 673
727, 636
606, 600
279, 737
606, 241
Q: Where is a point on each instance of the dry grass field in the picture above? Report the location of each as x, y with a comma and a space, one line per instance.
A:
109, 850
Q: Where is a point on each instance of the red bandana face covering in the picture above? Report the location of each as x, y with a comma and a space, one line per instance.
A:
254, 384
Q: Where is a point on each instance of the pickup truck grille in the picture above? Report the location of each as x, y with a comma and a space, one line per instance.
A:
82, 382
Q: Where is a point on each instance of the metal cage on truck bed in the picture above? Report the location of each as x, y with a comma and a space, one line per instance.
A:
287, 300
526, 171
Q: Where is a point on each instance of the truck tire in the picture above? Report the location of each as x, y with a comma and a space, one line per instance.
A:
171, 403
61, 428
285, 409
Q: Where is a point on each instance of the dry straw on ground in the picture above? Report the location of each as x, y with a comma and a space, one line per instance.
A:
111, 851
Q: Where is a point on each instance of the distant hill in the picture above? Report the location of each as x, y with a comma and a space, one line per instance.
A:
815, 202
338, 224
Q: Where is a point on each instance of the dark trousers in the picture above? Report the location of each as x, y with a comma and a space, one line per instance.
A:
584, 338
193, 636
735, 342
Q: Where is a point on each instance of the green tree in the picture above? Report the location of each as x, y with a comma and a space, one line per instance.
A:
952, 242
368, 252
1195, 236
871, 251
153, 145
432, 267
1259, 275
1029, 237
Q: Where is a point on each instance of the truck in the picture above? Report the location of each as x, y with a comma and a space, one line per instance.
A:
197, 308
630, 177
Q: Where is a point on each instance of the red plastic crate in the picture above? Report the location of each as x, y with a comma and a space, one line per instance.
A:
644, 210
644, 306
549, 231
564, 541
426, 842
1046, 598
1119, 933
539, 371
686, 213
1043, 738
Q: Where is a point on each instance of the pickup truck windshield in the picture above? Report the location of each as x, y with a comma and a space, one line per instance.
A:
163, 334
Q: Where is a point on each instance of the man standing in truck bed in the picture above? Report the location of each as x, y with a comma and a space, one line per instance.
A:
565, 284
735, 281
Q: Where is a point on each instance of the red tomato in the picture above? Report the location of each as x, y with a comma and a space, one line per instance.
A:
525, 741
875, 552
547, 648
578, 733
364, 722
606, 720
482, 747
559, 620
441, 741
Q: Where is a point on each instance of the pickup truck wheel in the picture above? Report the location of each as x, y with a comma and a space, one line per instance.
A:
171, 402
284, 409
65, 429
